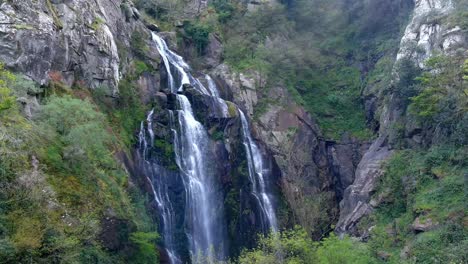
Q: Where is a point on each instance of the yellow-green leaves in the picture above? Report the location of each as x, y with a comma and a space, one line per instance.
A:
7, 99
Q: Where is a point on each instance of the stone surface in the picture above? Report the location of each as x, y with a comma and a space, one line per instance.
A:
287, 133
70, 41
420, 225
355, 203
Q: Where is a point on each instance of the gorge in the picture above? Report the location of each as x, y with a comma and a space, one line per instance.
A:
225, 131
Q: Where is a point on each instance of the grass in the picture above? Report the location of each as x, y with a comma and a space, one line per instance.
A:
426, 185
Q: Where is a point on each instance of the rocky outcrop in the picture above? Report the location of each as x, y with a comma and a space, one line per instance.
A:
426, 33
355, 203
291, 136
67, 41
343, 159
420, 225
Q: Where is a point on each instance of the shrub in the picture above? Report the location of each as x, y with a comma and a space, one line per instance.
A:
198, 33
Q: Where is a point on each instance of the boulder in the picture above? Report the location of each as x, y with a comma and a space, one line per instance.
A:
153, 27
420, 225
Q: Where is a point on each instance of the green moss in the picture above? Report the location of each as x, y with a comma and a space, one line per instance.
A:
217, 135
141, 67
55, 17
166, 151
232, 109
97, 23
23, 27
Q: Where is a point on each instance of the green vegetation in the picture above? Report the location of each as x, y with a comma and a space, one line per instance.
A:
138, 44
198, 33
60, 185
429, 186
7, 100
441, 97
326, 66
166, 151
125, 113
97, 23
295, 247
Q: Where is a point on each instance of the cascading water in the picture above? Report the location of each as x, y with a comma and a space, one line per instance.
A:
155, 173
204, 228
203, 225
257, 172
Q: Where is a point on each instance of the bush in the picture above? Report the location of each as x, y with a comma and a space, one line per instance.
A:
146, 247
333, 250
7, 100
198, 33
295, 246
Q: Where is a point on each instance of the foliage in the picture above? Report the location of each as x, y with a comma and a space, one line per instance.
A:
323, 66
138, 44
425, 185
334, 250
198, 33
146, 246
125, 113
295, 247
7, 100
442, 89
225, 9
97, 23
59, 181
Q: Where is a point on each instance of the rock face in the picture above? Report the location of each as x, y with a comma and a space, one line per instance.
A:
67, 41
426, 35
291, 136
355, 203
343, 159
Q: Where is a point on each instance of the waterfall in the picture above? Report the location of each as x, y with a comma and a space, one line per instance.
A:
223, 108
257, 173
155, 173
204, 228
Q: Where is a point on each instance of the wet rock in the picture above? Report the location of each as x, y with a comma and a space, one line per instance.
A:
136, 13
161, 99
153, 27
287, 134
213, 52
241, 88
148, 87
